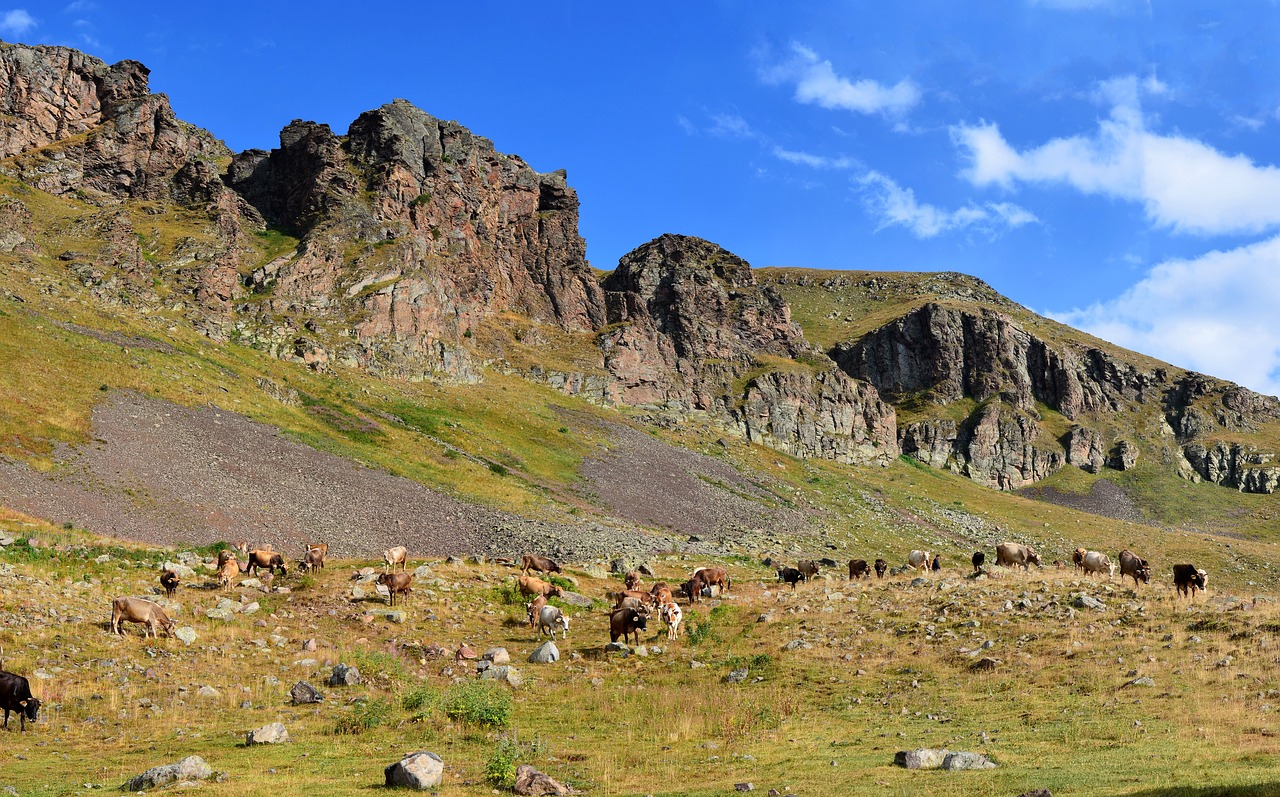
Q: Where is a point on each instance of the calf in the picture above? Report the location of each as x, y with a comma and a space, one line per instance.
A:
693, 588
1133, 565
1077, 558
228, 570
661, 593
540, 563
532, 609
626, 621
1189, 578
858, 568
15, 696
671, 615
139, 610
266, 559
808, 568
532, 585
644, 598
398, 555
790, 575
397, 584
881, 566
313, 559
978, 559
549, 618
169, 580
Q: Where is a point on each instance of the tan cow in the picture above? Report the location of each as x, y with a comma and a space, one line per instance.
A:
139, 610
532, 585
398, 555
228, 570
919, 560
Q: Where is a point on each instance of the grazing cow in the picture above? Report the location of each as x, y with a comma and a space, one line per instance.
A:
169, 580
540, 563
398, 555
1095, 562
790, 575
937, 564
242, 547
397, 584
643, 598
858, 568
978, 559
1133, 565
15, 696
228, 570
713, 576
314, 558
1010, 554
1077, 558
671, 615
140, 610
1189, 578
919, 560
532, 609
692, 589
549, 618
266, 559
632, 580
627, 621
808, 568
532, 585
881, 566
661, 593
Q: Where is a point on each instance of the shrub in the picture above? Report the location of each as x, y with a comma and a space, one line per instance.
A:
509, 594
562, 583
698, 629
377, 667
478, 703
500, 770
421, 700
498, 468
364, 716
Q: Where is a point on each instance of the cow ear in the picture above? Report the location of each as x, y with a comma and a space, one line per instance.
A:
23, 703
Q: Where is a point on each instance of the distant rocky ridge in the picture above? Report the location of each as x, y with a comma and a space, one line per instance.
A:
413, 249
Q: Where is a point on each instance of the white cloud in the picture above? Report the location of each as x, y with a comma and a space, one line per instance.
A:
1213, 314
817, 83
16, 22
1184, 184
731, 125
897, 206
814, 161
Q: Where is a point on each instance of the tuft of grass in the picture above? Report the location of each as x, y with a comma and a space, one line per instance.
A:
364, 716
480, 703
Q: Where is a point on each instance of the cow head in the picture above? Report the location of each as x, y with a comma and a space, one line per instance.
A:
563, 622
640, 620
1201, 579
169, 626
30, 708
1144, 573
1034, 558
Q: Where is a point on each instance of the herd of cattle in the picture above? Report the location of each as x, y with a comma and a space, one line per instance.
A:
632, 606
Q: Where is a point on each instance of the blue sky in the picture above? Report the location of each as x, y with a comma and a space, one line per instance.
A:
1111, 163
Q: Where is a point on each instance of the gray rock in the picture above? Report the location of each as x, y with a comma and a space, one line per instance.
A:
617, 646
420, 770
303, 692
209, 693
220, 614
545, 653
274, 733
504, 673
185, 573
530, 781
737, 676
1087, 602
191, 768
919, 581
1037, 793
344, 675
391, 615
1145, 680
923, 758
748, 786
250, 608
965, 760
186, 633
497, 656
796, 644
421, 572
574, 599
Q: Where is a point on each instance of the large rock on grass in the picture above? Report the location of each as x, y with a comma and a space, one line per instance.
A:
420, 770
190, 769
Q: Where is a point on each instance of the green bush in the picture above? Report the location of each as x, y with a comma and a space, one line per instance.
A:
699, 630
421, 700
377, 667
498, 468
509, 594
500, 770
364, 716
478, 703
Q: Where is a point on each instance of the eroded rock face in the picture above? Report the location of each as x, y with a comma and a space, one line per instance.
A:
691, 330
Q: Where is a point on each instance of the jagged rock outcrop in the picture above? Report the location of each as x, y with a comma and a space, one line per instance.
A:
1232, 465
690, 329
424, 229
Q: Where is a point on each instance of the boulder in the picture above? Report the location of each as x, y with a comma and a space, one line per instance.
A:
303, 692
420, 770
496, 656
964, 760
504, 673
344, 675
274, 733
192, 768
530, 781
186, 633
1088, 602
923, 758
545, 653
574, 599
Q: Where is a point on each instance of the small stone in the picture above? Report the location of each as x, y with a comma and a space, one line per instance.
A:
191, 768
273, 733
530, 781
962, 760
748, 786
344, 675
737, 676
496, 656
186, 633
208, 692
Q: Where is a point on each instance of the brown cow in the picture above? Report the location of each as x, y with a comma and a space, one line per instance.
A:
713, 576
1077, 556
662, 594
858, 569
626, 621
540, 563
229, 569
645, 598
1133, 565
632, 580
169, 580
313, 559
265, 559
532, 609
398, 555
532, 585
397, 584
139, 610
808, 568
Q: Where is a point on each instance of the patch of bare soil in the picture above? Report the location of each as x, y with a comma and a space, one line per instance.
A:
1104, 498
160, 473
656, 484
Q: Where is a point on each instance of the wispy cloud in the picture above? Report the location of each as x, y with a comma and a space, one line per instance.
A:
1184, 184
16, 22
817, 83
731, 125
815, 161
895, 206
1213, 314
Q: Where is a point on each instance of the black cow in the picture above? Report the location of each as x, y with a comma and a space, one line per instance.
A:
978, 559
1189, 578
881, 566
15, 695
790, 575
937, 563
858, 569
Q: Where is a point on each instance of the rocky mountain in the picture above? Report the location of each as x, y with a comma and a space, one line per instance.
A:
410, 248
